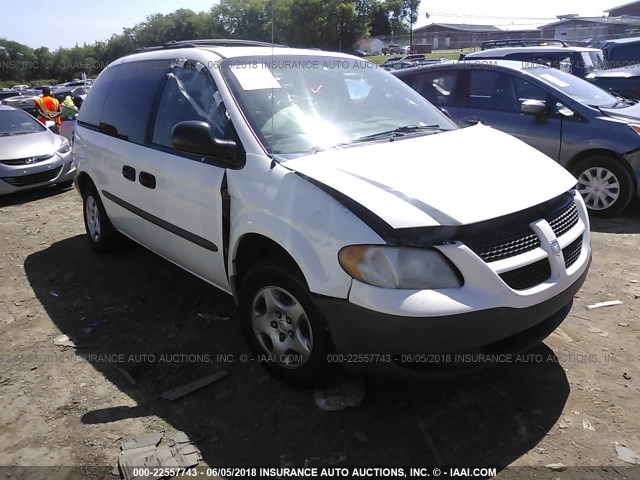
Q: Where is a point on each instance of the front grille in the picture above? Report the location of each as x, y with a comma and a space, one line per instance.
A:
572, 251
527, 277
32, 179
564, 220
26, 161
518, 239
505, 245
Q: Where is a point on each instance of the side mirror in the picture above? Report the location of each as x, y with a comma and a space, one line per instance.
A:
49, 124
533, 107
194, 136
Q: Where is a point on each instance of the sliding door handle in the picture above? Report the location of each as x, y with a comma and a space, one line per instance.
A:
129, 173
147, 180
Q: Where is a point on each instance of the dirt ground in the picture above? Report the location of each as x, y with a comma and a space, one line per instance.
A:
143, 326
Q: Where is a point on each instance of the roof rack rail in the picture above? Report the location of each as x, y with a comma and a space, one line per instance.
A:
522, 42
209, 42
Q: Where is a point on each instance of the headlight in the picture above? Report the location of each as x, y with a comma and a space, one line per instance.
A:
65, 147
398, 267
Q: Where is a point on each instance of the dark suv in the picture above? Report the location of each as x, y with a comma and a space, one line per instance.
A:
620, 52
622, 60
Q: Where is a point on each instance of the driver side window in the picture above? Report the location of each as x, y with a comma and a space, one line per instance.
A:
526, 90
189, 94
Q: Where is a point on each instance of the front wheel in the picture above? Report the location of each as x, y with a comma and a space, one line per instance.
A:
282, 323
606, 186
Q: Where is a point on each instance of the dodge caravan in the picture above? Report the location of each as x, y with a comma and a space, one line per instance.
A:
344, 213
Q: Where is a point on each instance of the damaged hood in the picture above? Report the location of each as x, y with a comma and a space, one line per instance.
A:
458, 177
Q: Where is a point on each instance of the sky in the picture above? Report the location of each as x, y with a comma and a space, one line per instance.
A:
88, 22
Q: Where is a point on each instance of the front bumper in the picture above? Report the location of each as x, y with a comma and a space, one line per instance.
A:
356, 330
27, 177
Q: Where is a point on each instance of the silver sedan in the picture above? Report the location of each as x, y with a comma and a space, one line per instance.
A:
31, 156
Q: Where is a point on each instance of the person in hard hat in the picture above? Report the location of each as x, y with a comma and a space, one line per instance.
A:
69, 109
48, 108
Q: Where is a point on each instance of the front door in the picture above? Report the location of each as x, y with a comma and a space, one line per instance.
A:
495, 98
190, 187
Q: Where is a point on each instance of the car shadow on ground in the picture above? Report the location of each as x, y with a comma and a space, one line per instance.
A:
627, 222
32, 195
135, 303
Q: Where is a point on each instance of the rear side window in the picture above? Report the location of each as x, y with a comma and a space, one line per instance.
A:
437, 87
92, 106
131, 99
190, 94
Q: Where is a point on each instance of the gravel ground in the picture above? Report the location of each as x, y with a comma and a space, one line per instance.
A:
142, 326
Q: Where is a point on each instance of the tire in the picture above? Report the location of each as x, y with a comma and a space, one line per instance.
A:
102, 236
605, 184
283, 325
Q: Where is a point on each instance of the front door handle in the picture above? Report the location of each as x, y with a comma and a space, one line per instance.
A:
147, 180
471, 120
129, 173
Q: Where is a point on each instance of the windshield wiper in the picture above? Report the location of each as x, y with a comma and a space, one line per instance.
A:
390, 134
7, 134
620, 103
397, 132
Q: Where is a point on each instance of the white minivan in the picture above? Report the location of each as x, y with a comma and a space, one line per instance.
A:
350, 219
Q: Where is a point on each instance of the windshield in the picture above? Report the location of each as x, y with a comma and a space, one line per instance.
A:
16, 122
578, 89
300, 104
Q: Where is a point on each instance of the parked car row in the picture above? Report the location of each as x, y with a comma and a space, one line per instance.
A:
612, 65
24, 100
344, 212
408, 61
579, 61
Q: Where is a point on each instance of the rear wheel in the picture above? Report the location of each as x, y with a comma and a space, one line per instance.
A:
282, 323
103, 237
605, 184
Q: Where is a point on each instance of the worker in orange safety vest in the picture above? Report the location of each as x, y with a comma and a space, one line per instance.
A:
48, 108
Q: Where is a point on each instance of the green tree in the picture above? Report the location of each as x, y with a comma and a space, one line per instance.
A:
244, 19
326, 24
401, 14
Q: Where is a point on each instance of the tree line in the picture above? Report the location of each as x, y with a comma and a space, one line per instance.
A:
324, 24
